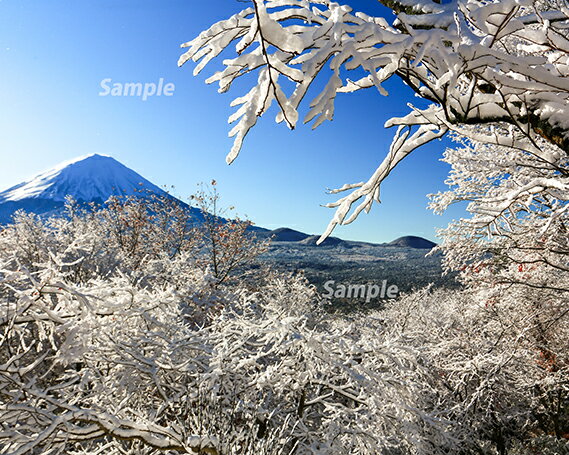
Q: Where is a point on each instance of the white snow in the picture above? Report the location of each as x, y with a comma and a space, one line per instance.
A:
86, 178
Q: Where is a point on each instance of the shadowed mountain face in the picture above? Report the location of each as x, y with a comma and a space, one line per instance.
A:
413, 242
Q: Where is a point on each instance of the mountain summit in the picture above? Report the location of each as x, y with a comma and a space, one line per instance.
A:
92, 178
89, 178
411, 241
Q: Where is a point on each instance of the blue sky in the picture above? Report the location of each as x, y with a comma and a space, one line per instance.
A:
54, 55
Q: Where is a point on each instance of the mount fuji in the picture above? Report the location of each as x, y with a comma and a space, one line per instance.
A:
92, 178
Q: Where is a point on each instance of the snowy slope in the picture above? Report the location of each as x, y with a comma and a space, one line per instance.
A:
92, 178
89, 178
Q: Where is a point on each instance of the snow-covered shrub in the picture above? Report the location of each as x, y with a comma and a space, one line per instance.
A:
503, 366
107, 346
110, 367
143, 237
114, 345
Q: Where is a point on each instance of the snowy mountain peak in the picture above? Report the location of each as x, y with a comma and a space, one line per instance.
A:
87, 178
92, 178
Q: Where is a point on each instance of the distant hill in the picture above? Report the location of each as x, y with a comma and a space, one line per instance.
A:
286, 235
410, 241
330, 241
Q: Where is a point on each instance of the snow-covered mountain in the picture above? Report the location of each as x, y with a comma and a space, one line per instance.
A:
95, 178
92, 178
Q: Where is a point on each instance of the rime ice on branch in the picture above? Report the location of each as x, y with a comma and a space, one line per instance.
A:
479, 63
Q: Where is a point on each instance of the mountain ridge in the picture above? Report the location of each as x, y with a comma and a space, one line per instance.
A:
95, 178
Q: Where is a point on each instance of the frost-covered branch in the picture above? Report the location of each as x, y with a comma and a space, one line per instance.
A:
99, 358
164, 358
502, 62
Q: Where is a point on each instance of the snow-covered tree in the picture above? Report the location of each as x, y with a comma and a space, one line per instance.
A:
518, 231
114, 341
175, 361
228, 242
495, 76
96, 362
513, 252
502, 65
502, 366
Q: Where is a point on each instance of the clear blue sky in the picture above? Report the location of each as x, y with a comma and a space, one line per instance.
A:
54, 55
